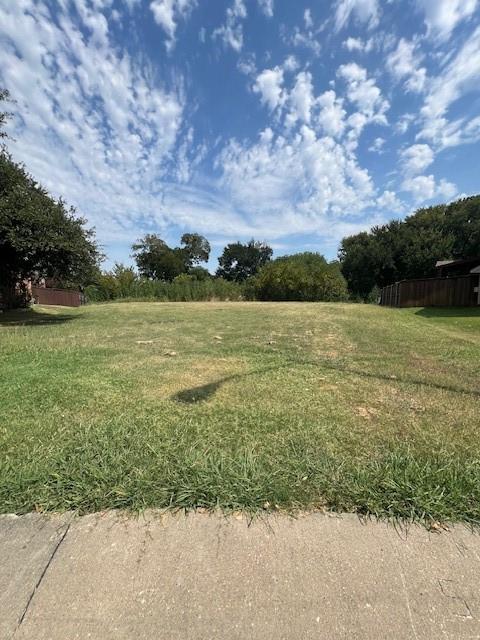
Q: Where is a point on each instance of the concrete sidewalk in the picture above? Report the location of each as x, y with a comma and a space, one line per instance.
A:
203, 576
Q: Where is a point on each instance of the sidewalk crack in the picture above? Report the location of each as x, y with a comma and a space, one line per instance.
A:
42, 575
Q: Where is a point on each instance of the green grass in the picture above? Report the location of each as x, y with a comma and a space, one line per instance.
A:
278, 406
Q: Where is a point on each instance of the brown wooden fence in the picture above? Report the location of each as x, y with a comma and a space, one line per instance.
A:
432, 292
61, 297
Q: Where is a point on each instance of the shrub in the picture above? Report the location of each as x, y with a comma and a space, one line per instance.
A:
183, 288
303, 277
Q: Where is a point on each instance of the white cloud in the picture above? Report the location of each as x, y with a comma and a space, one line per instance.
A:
364, 11
301, 99
425, 188
363, 92
269, 84
377, 145
442, 16
247, 65
304, 183
404, 122
357, 44
231, 33
460, 76
167, 13
307, 18
91, 124
404, 63
267, 7
291, 63
390, 203
331, 117
416, 159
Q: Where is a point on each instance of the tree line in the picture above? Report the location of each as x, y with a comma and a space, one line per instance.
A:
410, 248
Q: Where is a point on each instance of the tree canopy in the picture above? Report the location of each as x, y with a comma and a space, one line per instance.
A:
239, 261
410, 249
303, 277
4, 115
157, 261
39, 236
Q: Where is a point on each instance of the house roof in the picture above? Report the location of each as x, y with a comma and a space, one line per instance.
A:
464, 261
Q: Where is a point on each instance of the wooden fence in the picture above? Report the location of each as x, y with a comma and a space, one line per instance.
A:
432, 292
61, 297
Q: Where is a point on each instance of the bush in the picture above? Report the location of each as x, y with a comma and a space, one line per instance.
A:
303, 277
183, 288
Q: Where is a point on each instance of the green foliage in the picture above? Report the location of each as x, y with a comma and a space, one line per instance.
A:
39, 236
410, 249
4, 115
196, 249
157, 261
304, 277
183, 288
239, 261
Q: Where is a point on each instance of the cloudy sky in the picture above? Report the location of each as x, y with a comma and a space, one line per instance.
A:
293, 121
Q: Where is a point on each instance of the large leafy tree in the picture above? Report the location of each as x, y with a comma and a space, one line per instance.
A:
410, 249
303, 276
157, 261
239, 261
196, 249
39, 236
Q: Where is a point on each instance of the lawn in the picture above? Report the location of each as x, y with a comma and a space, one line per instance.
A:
241, 406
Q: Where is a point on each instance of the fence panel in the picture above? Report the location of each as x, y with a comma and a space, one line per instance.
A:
61, 297
431, 292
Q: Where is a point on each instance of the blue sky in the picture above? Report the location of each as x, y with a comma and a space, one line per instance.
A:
296, 122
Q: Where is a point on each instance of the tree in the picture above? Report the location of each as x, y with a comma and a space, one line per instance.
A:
303, 277
410, 249
196, 249
39, 237
241, 261
4, 115
156, 260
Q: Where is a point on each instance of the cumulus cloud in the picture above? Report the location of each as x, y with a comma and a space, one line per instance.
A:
331, 115
301, 99
363, 92
167, 13
231, 33
363, 11
269, 84
377, 145
267, 7
442, 16
357, 44
404, 64
389, 202
416, 158
303, 174
303, 183
424, 188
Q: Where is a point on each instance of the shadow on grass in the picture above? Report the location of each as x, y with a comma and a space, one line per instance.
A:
206, 391
30, 317
449, 312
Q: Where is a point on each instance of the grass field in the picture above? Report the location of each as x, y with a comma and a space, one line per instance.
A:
241, 406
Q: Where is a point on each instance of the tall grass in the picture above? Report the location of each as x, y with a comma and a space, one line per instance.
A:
184, 291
